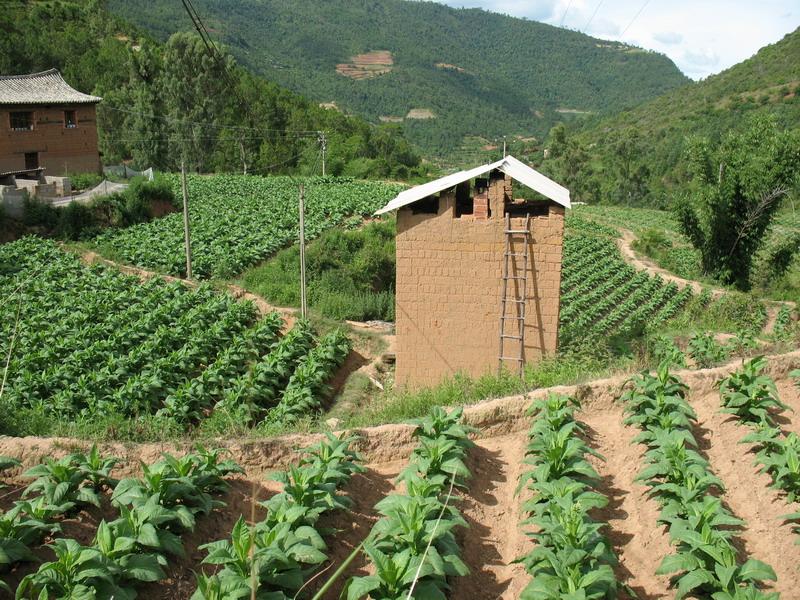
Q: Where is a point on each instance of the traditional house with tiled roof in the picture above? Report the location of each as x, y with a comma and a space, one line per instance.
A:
44, 123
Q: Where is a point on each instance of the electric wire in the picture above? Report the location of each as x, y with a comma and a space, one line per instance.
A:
636, 16
596, 8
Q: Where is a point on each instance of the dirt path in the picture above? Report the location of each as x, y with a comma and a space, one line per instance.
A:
625, 245
641, 263
492, 509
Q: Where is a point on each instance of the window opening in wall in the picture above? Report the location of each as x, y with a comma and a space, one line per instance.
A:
31, 160
464, 202
534, 208
22, 121
426, 206
70, 119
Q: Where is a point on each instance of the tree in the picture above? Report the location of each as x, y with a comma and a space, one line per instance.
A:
734, 192
568, 161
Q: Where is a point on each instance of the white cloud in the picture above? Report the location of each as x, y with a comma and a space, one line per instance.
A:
668, 37
700, 37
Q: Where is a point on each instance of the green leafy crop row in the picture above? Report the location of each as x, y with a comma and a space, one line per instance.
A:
706, 563
572, 558
412, 547
154, 511
83, 343
238, 221
753, 398
274, 558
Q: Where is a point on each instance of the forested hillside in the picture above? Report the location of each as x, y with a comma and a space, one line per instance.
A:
637, 156
172, 100
442, 73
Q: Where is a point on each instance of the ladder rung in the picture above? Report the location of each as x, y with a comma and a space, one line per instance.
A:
512, 358
512, 337
515, 254
517, 318
513, 277
517, 301
512, 231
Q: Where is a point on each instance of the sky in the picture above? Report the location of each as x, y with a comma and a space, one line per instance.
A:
702, 37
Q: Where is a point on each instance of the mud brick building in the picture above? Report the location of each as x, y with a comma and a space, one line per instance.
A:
45, 123
478, 272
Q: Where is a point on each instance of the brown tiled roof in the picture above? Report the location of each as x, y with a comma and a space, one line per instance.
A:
47, 87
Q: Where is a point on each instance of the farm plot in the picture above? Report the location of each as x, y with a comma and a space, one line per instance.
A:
616, 492
89, 342
238, 221
603, 296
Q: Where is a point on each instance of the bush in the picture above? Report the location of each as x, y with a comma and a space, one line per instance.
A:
76, 221
350, 274
36, 213
84, 181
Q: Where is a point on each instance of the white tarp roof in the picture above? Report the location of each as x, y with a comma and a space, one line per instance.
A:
512, 167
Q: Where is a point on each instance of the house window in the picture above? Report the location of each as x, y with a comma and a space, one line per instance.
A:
426, 206
464, 203
31, 160
70, 119
22, 121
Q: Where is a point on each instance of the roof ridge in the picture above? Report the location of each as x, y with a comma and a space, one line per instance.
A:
46, 73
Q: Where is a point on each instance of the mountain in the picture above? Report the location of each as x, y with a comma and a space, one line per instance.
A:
442, 73
653, 135
162, 100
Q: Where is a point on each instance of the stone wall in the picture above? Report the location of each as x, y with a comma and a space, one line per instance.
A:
61, 151
449, 282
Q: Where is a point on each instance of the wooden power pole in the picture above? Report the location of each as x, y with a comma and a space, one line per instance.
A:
303, 299
186, 238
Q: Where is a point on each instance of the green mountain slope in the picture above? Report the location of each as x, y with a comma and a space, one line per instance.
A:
459, 72
150, 88
654, 134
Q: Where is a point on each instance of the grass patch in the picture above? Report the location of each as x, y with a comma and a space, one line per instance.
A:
398, 405
350, 274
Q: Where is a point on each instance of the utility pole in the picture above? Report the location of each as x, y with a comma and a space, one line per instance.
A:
303, 300
324, 144
504, 146
186, 238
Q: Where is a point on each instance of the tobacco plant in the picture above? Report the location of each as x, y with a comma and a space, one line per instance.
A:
274, 558
706, 351
749, 395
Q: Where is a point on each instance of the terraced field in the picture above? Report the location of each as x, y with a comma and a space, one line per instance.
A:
603, 296
238, 221
632, 468
86, 342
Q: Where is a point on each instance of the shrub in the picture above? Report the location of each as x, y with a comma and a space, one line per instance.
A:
84, 181
75, 221
36, 213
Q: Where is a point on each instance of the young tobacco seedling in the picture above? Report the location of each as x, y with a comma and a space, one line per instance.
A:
750, 395
706, 351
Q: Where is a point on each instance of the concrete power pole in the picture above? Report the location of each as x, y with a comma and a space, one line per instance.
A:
324, 144
186, 238
303, 299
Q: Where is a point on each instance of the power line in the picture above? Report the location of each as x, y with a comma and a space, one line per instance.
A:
564, 16
596, 8
636, 16
297, 132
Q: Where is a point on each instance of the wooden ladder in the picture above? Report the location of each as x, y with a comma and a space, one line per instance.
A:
510, 335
